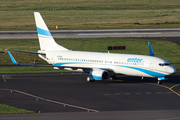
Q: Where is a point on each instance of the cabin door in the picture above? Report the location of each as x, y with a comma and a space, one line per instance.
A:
53, 58
151, 64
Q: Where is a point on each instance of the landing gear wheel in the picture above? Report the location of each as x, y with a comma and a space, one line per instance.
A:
89, 79
113, 78
159, 82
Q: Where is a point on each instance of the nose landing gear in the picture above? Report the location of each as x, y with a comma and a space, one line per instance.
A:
160, 80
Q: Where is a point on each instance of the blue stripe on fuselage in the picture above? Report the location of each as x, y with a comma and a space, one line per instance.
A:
43, 32
149, 72
60, 64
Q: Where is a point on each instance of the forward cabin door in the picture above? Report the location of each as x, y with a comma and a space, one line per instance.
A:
151, 64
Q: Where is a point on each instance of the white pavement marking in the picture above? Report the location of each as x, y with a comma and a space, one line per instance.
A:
48, 100
153, 33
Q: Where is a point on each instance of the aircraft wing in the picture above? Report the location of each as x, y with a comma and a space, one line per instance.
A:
38, 65
26, 51
14, 61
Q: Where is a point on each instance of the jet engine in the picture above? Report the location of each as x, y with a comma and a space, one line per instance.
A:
98, 75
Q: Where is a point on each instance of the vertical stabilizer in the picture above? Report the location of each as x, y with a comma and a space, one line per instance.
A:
46, 40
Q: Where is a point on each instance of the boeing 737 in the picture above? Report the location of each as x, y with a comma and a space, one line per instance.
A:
98, 66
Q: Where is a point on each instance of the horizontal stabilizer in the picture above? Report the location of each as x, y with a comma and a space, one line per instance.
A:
151, 53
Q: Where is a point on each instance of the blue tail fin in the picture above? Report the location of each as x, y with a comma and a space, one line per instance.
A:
151, 53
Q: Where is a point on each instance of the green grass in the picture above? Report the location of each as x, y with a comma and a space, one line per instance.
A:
163, 49
30, 70
92, 14
5, 109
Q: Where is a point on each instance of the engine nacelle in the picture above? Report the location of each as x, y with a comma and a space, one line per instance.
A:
99, 75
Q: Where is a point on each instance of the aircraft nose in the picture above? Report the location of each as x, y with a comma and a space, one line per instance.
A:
171, 70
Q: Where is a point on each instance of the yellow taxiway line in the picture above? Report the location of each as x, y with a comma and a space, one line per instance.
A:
170, 88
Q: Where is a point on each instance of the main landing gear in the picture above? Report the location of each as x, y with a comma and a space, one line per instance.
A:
159, 82
89, 79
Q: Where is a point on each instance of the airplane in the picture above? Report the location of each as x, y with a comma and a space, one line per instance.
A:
98, 65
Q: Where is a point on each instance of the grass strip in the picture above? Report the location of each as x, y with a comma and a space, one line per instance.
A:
5, 109
163, 49
30, 70
93, 14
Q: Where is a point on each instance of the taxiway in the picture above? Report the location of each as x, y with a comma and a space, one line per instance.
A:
171, 32
69, 92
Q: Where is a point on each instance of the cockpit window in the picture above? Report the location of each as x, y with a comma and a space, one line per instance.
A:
161, 64
164, 64
167, 64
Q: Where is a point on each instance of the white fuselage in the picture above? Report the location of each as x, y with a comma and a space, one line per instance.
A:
128, 64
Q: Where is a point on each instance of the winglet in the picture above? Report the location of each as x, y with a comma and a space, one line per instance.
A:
12, 58
151, 53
